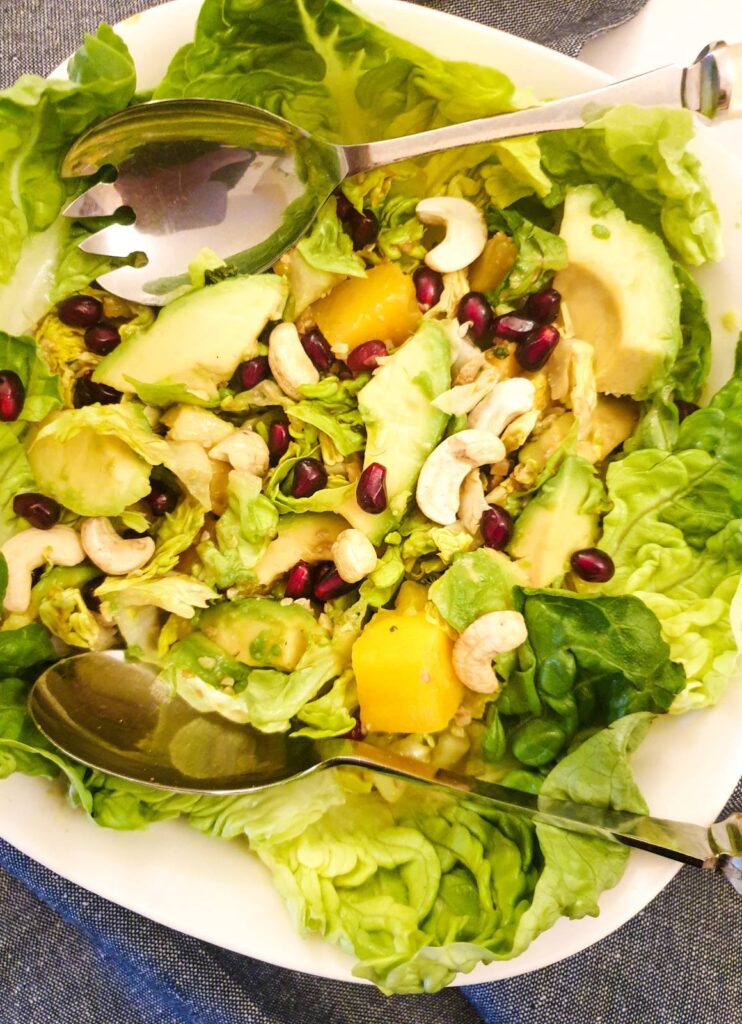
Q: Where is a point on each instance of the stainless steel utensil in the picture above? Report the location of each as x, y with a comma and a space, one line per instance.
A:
247, 184
117, 716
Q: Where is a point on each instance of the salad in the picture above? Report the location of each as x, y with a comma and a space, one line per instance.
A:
439, 479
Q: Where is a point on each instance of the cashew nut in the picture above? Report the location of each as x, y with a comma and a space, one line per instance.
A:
354, 555
113, 554
244, 450
507, 399
27, 551
289, 363
443, 472
472, 502
490, 634
466, 232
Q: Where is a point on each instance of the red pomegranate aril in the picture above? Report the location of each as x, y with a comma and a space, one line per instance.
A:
534, 352
316, 347
364, 228
476, 311
39, 511
496, 526
250, 373
278, 440
592, 565
329, 584
344, 208
686, 408
371, 489
428, 287
544, 306
80, 311
162, 499
512, 327
89, 392
102, 339
91, 599
309, 476
12, 396
358, 732
366, 356
300, 581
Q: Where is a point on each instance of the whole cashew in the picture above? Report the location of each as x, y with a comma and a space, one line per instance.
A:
354, 555
289, 363
244, 450
440, 480
466, 232
490, 634
113, 554
507, 399
30, 549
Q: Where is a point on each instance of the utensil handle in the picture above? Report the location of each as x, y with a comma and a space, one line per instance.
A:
711, 87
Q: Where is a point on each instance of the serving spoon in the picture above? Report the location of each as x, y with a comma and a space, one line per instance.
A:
119, 717
245, 183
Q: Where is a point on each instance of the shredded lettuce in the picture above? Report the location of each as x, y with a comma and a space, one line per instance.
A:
242, 534
328, 247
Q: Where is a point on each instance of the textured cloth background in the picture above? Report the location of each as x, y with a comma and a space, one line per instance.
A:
67, 957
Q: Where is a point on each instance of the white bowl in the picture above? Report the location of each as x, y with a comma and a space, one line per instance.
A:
218, 891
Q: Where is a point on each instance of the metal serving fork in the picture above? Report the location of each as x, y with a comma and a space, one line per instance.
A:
248, 184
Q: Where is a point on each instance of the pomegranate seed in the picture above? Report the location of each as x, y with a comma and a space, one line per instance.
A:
309, 476
496, 526
250, 373
366, 356
686, 408
41, 512
593, 565
364, 228
300, 581
88, 392
80, 311
89, 596
358, 732
371, 489
512, 327
343, 206
102, 339
278, 440
544, 306
12, 396
475, 310
534, 352
315, 345
329, 584
162, 498
428, 287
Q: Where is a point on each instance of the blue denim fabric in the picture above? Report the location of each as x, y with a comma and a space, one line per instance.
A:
68, 957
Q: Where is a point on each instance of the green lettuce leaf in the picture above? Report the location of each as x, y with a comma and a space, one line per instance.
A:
331, 407
329, 247
15, 478
640, 158
694, 359
40, 261
478, 582
243, 533
675, 535
540, 253
42, 387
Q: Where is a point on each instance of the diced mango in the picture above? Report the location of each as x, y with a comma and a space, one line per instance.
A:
381, 306
404, 670
494, 262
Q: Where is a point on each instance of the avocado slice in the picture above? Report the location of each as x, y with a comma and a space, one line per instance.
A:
261, 632
621, 294
307, 537
402, 425
561, 518
197, 340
